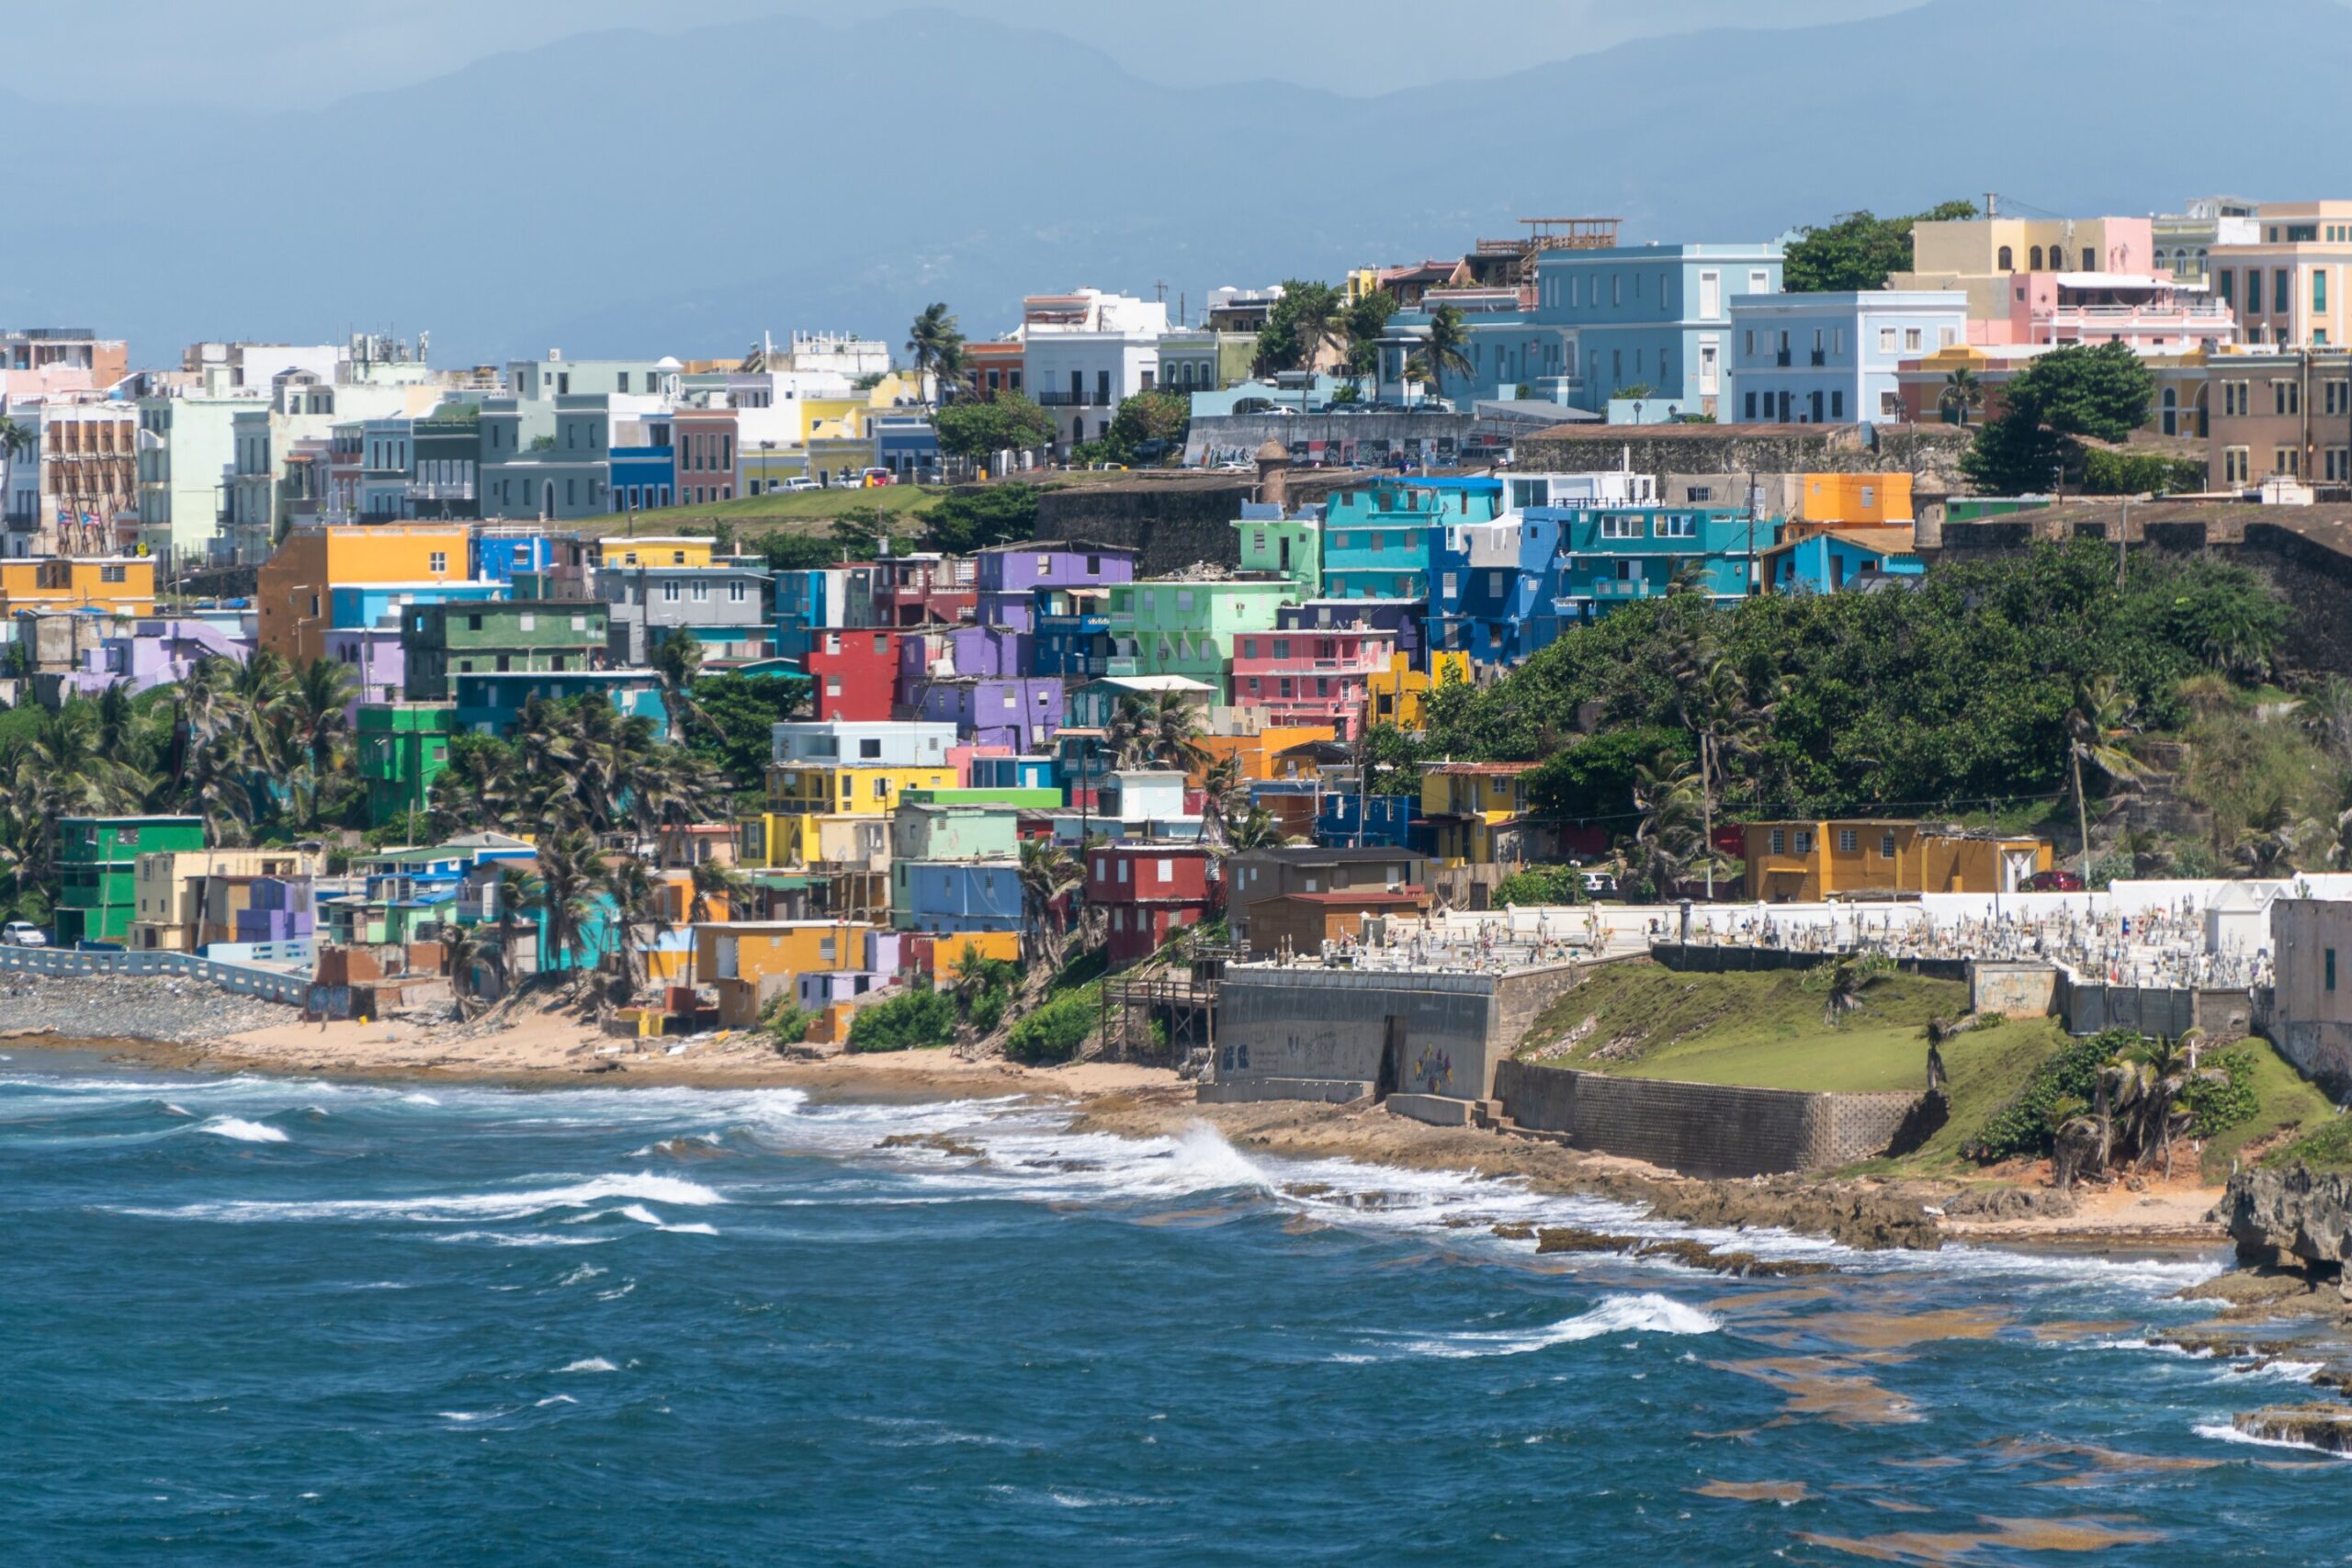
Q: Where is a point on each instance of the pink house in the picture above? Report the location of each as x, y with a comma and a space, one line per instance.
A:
2148, 311
1311, 677
706, 455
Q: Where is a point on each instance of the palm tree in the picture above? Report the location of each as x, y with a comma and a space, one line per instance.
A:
2097, 730
2166, 1069
16, 440
676, 661
1962, 394
715, 885
1175, 732
1848, 981
1671, 838
1689, 576
637, 909
936, 342
518, 889
567, 887
1447, 348
1047, 872
1224, 792
1257, 831
1940, 1032
470, 950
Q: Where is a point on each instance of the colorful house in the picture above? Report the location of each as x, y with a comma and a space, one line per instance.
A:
1008, 576
856, 673
1150, 890
1020, 713
98, 868
747, 962
1398, 694
113, 585
1275, 543
517, 637
1166, 627
491, 701
955, 895
1376, 541
1322, 677
1809, 861
294, 587
1071, 639
1826, 561
1612, 557
1477, 811
662, 549
400, 749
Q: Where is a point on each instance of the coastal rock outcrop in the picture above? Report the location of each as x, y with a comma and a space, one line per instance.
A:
2327, 1427
2296, 1218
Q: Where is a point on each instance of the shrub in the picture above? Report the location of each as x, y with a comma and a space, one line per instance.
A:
1055, 1030
2216, 1105
2059, 1087
789, 1024
988, 1008
1541, 885
922, 1018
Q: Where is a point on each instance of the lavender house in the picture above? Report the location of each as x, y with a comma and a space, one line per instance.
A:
1009, 573
1022, 712
83, 654
378, 663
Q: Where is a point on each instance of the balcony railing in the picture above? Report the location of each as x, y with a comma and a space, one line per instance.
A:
418, 489
1075, 400
1781, 359
2178, 318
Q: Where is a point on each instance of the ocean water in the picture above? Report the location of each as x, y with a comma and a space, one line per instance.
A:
246, 1321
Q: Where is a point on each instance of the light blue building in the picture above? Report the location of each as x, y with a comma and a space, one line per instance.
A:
1836, 558
1491, 593
502, 554
1376, 541
1831, 358
356, 607
956, 895
1608, 558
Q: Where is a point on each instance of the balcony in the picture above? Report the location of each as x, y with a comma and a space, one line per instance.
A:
420, 490
2196, 320
1781, 359
1076, 399
1820, 358
1616, 589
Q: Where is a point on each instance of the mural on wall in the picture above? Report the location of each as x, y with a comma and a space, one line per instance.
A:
1433, 1069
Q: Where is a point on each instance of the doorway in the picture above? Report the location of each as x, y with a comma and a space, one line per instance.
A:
1392, 1056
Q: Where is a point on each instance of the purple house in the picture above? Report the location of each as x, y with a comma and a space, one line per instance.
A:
1022, 712
1007, 573
149, 653
377, 660
947, 653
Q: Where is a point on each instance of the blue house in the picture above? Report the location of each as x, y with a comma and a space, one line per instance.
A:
499, 556
1837, 558
1371, 820
1072, 638
956, 895
358, 606
1608, 558
1014, 772
1376, 540
643, 477
1832, 358
1492, 586
491, 701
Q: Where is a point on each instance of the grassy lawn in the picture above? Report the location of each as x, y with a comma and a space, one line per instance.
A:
776, 511
2293, 1108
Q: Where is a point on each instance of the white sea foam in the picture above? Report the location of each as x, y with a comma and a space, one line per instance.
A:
555, 1399
2222, 1432
1645, 1314
418, 1098
526, 1238
462, 1416
592, 1364
243, 1131
581, 1275
617, 1291
171, 1110
430, 1208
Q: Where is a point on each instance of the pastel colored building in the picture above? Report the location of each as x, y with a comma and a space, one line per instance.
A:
890, 743
491, 701
97, 863
926, 589
1019, 711
1374, 821
1832, 358
1275, 543
1073, 636
1982, 257
855, 673
924, 828
1477, 811
1164, 628
111, 585
747, 962
1007, 577
80, 655
1827, 560
399, 749
1608, 559
1321, 677
2287, 287
1376, 541
721, 604
1400, 694
517, 637
294, 587
1808, 861
1492, 586
955, 895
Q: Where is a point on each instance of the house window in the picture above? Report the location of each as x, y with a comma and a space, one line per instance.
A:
1122, 871
440, 562
1887, 340
527, 623
1848, 841
1804, 840
1911, 340
701, 590
2288, 462
1682, 527
1890, 405
1166, 871
2331, 968
670, 592
2237, 464
1780, 841
1887, 846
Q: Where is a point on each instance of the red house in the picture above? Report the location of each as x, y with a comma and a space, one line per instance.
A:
1149, 889
926, 590
856, 673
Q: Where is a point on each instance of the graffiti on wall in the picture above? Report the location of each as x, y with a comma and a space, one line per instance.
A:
1432, 1069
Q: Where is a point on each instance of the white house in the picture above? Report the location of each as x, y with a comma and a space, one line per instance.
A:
1831, 358
1083, 352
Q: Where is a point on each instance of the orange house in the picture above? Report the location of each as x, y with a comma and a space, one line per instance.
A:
292, 587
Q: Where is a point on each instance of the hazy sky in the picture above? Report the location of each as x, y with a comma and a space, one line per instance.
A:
302, 54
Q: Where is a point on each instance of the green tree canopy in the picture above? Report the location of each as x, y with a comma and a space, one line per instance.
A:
738, 740
1156, 416
984, 514
1305, 319
978, 428
1858, 251
1364, 320
2073, 390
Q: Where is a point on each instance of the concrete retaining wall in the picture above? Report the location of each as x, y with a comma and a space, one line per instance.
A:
1251, 1091
2159, 1010
1704, 1130
2013, 990
277, 986
1434, 1109
1699, 959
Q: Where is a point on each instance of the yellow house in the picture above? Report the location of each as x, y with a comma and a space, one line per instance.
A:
1856, 501
1478, 811
1395, 695
292, 587
120, 585
1804, 863
664, 549
848, 789
1256, 753
780, 840
749, 961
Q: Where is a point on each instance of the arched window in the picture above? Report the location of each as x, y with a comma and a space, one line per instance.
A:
2161, 258
2008, 259
2036, 258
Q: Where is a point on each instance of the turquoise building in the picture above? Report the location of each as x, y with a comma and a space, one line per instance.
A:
1833, 560
1376, 541
1605, 559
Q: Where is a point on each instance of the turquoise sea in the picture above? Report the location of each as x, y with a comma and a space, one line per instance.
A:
254, 1321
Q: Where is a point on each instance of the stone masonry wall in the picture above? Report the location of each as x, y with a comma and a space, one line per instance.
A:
1704, 1130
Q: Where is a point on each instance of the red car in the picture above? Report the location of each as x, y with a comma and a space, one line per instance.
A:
2053, 882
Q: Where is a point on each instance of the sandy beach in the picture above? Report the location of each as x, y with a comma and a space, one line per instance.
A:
554, 1048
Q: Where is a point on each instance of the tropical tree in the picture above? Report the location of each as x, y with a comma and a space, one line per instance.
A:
1225, 790
1363, 324
568, 878
1047, 873
518, 889
936, 344
1256, 830
636, 901
1848, 978
676, 661
1446, 351
1962, 395
1671, 839
470, 950
2099, 730
16, 440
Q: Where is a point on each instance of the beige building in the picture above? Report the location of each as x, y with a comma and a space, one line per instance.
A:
1981, 256
2287, 286
2310, 1021
171, 885
2277, 414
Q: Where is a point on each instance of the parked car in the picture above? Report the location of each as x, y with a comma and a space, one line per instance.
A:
2053, 882
23, 933
874, 479
801, 484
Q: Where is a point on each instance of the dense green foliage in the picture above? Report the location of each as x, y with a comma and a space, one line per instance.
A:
921, 1018
1363, 323
799, 552
1947, 695
2107, 472
1594, 780
1148, 428
973, 519
2059, 1087
1301, 324
1541, 884
1858, 251
2214, 1107
2073, 390
977, 428
738, 740
1055, 1030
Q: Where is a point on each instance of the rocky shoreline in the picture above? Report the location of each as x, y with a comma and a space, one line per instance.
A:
168, 1010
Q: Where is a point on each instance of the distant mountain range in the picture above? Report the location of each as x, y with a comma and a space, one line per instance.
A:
628, 193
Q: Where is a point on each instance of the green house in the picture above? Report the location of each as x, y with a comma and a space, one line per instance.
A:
401, 748
97, 863
1164, 628
515, 636
1277, 545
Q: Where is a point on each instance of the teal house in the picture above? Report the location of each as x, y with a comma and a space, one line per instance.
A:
1376, 541
1616, 556
1837, 558
491, 701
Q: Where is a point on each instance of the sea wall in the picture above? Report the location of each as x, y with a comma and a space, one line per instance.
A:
1705, 1129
